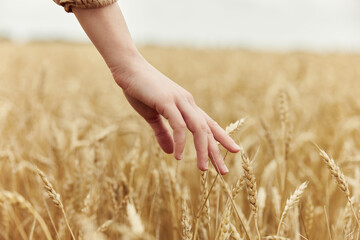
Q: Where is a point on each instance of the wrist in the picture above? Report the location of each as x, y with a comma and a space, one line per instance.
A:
125, 64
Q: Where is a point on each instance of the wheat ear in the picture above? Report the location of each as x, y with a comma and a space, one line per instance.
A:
55, 197
291, 203
340, 179
205, 191
186, 219
251, 187
309, 217
225, 224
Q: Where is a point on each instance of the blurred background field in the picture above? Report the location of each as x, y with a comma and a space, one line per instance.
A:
316, 25
62, 112
289, 70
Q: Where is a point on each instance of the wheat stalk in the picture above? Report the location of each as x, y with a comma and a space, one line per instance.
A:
234, 233
15, 198
231, 200
347, 221
237, 186
262, 204
276, 200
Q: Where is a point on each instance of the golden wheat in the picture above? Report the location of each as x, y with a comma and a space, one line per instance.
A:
60, 110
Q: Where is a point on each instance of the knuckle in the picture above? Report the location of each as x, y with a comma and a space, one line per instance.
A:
189, 97
161, 133
199, 128
166, 98
181, 126
216, 151
153, 120
203, 128
210, 135
162, 108
213, 123
179, 140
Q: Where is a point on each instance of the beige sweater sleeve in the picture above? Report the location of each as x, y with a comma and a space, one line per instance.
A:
68, 4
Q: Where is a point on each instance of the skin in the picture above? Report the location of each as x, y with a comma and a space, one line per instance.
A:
152, 94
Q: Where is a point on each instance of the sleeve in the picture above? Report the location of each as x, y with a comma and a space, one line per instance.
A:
68, 4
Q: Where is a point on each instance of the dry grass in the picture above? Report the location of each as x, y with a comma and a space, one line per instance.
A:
61, 112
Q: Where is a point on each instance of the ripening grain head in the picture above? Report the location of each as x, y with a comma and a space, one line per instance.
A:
61, 111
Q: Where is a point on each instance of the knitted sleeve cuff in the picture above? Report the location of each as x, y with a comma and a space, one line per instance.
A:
68, 4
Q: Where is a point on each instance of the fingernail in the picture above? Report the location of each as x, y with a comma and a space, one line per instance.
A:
237, 147
207, 165
181, 156
226, 169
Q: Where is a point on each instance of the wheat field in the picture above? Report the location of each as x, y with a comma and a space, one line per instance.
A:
76, 162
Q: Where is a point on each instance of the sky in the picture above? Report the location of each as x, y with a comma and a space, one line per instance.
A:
316, 25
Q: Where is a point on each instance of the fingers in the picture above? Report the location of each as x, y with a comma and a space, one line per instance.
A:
197, 125
178, 125
183, 115
203, 138
220, 135
162, 133
201, 146
215, 156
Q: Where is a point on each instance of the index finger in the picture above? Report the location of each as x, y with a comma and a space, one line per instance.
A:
220, 135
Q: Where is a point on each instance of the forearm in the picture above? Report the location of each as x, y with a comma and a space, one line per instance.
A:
106, 28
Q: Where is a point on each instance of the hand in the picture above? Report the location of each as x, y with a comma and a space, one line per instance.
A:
151, 93
154, 95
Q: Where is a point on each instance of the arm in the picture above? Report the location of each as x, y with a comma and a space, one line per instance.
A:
151, 93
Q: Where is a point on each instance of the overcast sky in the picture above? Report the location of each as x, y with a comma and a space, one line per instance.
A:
322, 25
